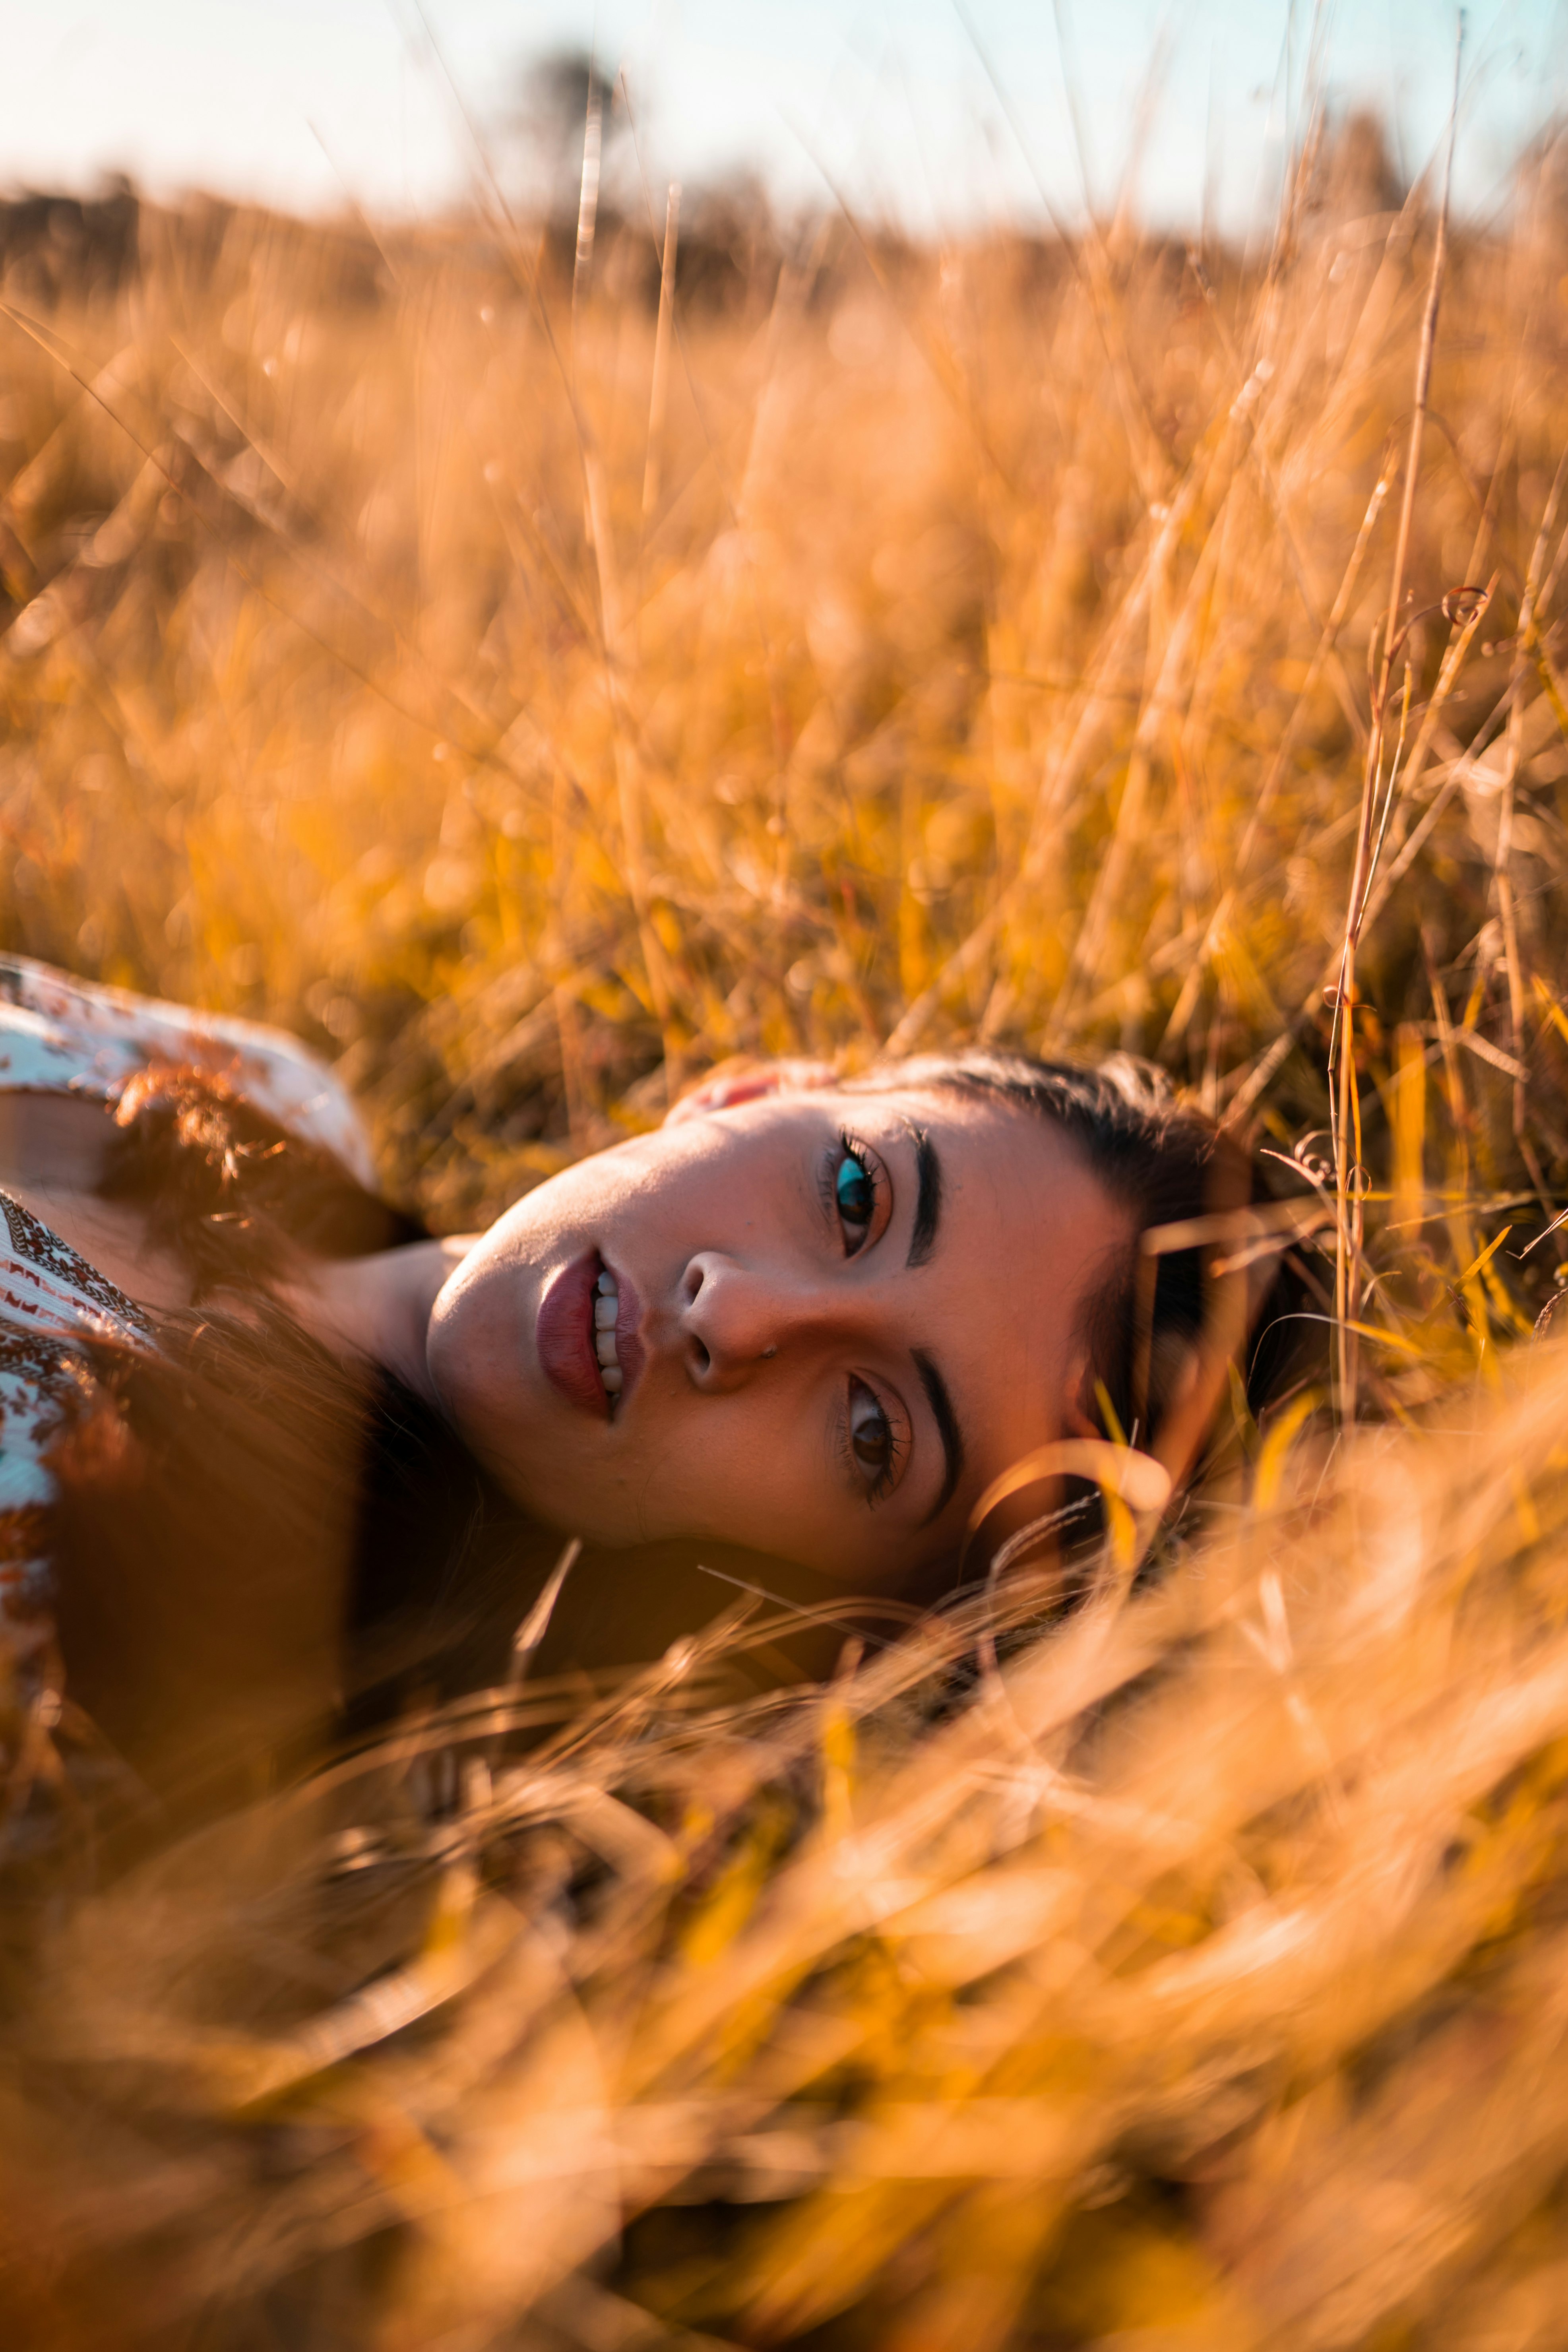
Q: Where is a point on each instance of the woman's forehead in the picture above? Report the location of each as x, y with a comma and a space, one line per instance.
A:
1020, 1132
997, 1159
952, 1106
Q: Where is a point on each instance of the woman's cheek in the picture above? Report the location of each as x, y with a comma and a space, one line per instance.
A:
758, 1490
472, 1385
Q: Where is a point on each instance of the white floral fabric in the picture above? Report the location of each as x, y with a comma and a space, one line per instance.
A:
59, 1035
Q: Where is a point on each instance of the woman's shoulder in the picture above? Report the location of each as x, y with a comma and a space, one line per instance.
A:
61, 1035
41, 1371
46, 1285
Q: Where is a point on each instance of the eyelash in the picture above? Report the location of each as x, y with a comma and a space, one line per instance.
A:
882, 1485
832, 1165
847, 1150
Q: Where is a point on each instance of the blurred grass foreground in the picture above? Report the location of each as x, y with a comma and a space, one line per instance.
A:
534, 666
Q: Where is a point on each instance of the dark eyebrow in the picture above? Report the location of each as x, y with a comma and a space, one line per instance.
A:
928, 1198
947, 1427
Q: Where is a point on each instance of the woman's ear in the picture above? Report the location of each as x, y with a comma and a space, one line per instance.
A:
1084, 1414
1077, 1419
741, 1080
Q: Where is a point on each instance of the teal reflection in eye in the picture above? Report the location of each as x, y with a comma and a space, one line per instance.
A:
854, 1197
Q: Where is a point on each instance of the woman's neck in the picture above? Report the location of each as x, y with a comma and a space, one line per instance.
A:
378, 1305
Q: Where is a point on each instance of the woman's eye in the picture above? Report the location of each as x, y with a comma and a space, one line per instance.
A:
870, 1436
854, 1196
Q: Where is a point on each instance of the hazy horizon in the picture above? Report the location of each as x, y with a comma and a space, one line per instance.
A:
949, 120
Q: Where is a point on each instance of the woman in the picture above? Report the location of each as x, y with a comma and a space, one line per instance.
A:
269, 1448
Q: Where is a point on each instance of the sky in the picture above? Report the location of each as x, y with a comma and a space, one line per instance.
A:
935, 114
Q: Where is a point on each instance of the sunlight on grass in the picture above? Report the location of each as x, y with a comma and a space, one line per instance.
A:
534, 693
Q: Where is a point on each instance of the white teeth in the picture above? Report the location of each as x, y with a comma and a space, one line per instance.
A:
606, 1306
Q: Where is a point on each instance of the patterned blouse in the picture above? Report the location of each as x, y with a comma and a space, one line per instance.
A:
59, 1035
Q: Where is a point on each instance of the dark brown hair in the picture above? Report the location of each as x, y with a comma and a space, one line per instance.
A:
228, 1191
255, 1544
243, 1466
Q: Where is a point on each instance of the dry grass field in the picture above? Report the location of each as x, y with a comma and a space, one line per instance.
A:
532, 688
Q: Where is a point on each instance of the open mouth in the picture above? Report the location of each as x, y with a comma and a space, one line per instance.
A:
586, 1336
607, 1307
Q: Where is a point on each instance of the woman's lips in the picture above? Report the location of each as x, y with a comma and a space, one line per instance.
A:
563, 1336
629, 1346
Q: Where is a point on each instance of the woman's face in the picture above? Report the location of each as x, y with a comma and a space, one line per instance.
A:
831, 1318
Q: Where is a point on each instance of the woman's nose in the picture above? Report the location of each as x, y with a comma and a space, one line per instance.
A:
734, 1317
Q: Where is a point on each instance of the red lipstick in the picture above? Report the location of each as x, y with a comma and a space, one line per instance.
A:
563, 1336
